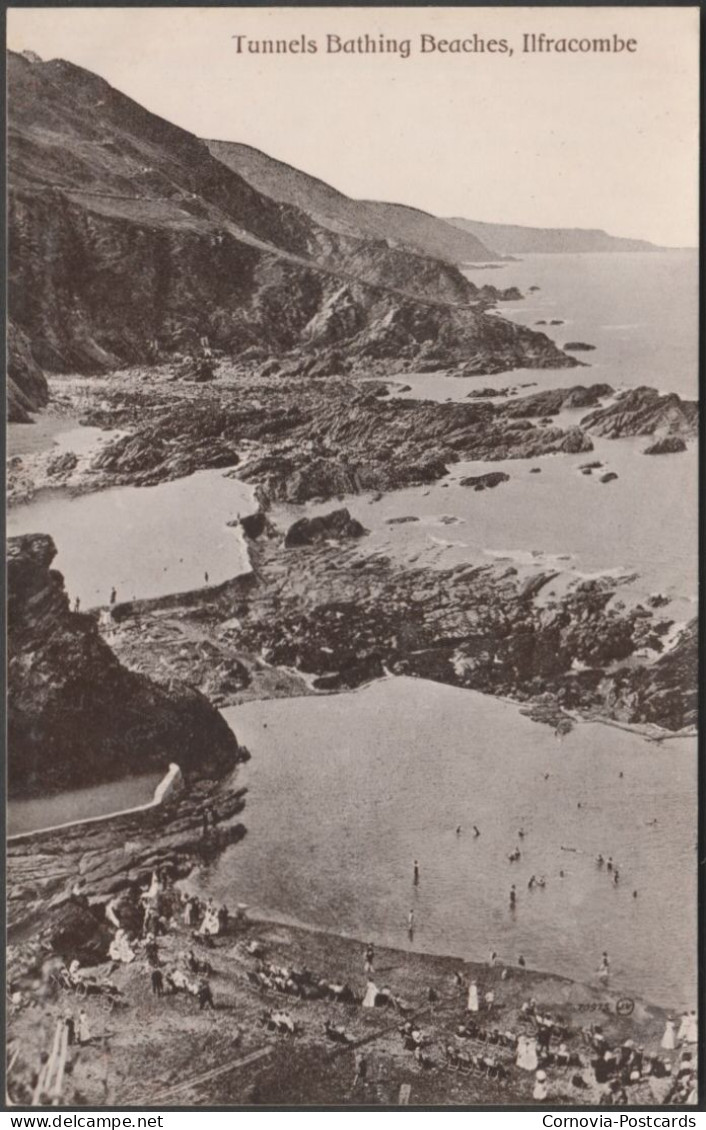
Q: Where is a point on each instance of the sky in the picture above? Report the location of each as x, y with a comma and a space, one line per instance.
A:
543, 139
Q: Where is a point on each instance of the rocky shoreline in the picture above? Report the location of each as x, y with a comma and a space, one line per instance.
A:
317, 613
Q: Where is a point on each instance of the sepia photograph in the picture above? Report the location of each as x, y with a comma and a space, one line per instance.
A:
352, 557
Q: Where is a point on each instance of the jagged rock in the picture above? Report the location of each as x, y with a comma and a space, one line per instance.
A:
644, 411
553, 400
402, 521
608, 477
578, 346
62, 464
76, 716
489, 480
487, 393
337, 524
254, 525
668, 445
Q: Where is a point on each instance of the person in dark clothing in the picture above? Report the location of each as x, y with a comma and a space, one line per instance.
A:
157, 982
70, 1030
205, 994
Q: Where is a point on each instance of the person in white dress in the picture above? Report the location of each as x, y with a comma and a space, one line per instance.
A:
541, 1090
527, 1053
472, 1005
84, 1032
688, 1029
669, 1041
120, 948
210, 924
371, 993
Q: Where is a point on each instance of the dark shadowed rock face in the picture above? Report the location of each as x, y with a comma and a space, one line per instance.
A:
76, 716
666, 692
27, 388
128, 240
669, 445
642, 412
337, 524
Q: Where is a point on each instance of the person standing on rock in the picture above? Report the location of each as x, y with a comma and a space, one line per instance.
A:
77, 604
416, 872
157, 983
410, 925
113, 595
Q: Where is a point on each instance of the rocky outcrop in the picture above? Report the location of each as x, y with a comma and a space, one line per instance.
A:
668, 445
27, 388
644, 412
489, 480
312, 439
337, 524
666, 691
579, 346
554, 400
76, 716
340, 617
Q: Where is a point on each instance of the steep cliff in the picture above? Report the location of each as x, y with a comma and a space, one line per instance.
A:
76, 716
127, 240
27, 388
401, 225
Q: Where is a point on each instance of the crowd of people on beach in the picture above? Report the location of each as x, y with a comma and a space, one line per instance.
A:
477, 1026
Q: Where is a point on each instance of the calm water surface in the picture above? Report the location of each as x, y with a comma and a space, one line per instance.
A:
80, 804
146, 541
346, 791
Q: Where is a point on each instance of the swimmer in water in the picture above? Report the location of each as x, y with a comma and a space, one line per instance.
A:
513, 896
600, 860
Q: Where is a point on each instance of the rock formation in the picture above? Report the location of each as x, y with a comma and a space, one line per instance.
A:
643, 412
76, 716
